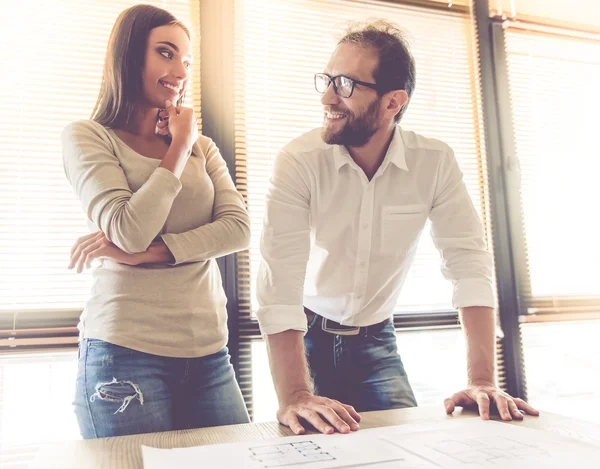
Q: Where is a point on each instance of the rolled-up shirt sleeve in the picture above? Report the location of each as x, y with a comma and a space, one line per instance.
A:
458, 234
284, 247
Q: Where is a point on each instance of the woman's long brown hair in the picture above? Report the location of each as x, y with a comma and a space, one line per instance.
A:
121, 88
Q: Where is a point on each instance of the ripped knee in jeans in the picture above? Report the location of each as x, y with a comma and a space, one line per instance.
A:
118, 391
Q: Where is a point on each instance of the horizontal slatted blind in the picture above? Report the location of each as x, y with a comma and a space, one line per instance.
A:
553, 83
279, 45
49, 77
582, 14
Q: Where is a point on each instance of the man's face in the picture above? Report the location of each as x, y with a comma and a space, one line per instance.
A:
351, 121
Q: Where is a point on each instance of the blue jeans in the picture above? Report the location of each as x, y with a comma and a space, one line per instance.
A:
362, 370
121, 391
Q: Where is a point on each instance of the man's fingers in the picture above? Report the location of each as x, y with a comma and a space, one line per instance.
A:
325, 415
449, 405
502, 406
462, 399
334, 419
458, 399
344, 412
483, 396
521, 404
514, 410
315, 420
294, 424
351, 412
162, 124
483, 402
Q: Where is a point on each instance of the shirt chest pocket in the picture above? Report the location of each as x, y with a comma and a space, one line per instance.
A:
401, 226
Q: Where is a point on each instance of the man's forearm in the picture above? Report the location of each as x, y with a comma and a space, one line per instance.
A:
289, 368
479, 326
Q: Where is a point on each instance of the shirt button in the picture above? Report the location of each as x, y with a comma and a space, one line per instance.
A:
358, 297
363, 264
365, 226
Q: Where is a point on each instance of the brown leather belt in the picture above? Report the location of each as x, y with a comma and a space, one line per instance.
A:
332, 327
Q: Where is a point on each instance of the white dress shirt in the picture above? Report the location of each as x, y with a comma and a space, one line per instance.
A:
342, 245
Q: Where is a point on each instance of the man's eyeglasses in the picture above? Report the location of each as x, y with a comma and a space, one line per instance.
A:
342, 85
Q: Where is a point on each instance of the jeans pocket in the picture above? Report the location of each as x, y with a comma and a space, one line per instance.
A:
103, 345
313, 321
100, 351
95, 342
386, 335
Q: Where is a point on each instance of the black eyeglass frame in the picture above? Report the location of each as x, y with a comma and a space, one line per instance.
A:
354, 82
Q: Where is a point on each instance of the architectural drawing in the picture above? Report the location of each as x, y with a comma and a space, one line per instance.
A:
301, 452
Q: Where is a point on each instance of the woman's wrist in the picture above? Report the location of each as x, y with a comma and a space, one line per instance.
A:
176, 156
158, 253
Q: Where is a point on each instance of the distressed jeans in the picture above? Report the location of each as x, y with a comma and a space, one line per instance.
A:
121, 391
364, 371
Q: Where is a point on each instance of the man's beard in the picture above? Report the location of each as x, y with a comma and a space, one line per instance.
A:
357, 131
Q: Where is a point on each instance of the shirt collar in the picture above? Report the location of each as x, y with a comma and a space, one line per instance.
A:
395, 153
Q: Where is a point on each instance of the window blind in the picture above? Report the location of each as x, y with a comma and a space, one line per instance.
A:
578, 14
49, 76
553, 87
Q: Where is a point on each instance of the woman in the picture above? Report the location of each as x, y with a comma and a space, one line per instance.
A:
152, 353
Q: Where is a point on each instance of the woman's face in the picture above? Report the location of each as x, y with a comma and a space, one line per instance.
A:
167, 65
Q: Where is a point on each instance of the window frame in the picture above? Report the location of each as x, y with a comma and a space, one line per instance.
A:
513, 283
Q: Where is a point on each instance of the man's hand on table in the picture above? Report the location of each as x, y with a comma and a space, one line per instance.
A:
326, 415
481, 396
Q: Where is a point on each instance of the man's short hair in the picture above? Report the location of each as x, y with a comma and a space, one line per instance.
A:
396, 67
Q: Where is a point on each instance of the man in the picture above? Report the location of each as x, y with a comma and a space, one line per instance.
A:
345, 209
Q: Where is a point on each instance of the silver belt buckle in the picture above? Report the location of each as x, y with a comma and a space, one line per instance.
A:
337, 331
